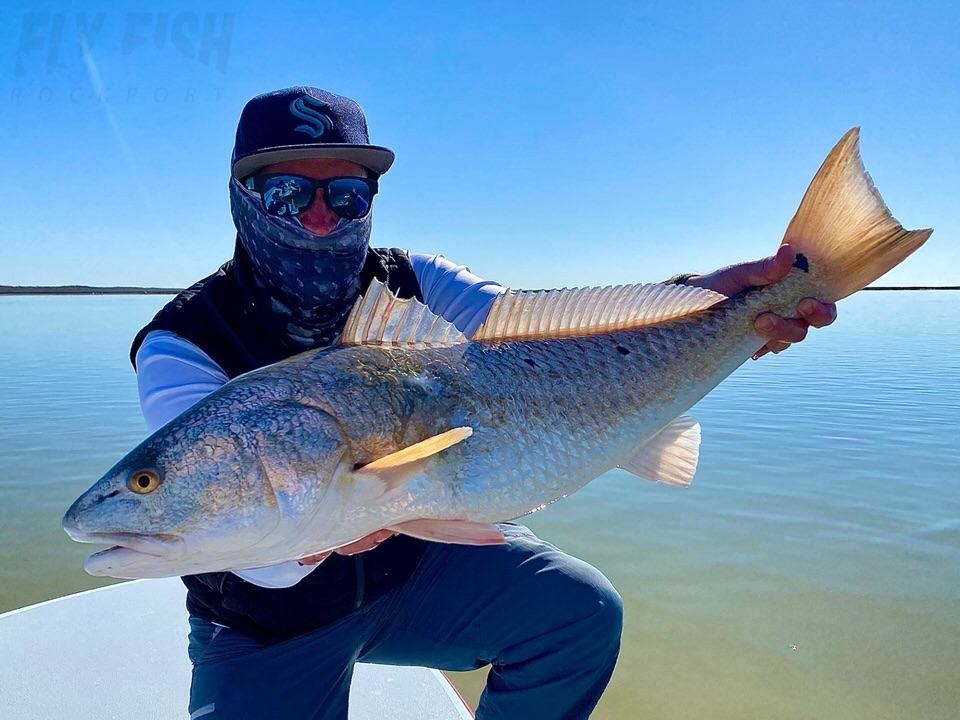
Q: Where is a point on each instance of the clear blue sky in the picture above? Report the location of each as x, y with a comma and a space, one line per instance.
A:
542, 143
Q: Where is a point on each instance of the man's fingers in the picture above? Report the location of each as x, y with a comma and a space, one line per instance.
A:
779, 332
774, 346
771, 269
782, 330
756, 273
365, 543
816, 313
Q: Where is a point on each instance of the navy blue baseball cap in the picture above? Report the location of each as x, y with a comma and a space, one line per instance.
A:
304, 122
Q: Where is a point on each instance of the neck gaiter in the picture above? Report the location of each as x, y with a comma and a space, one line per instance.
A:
308, 282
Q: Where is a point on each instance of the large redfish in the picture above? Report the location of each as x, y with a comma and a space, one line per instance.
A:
408, 425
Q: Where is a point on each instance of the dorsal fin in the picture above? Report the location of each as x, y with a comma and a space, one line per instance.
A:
528, 314
381, 318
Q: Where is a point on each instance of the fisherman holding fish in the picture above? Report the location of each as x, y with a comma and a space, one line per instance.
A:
281, 641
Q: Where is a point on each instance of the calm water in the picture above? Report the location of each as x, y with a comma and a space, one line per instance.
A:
812, 570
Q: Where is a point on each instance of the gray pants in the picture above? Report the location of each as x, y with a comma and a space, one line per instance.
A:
547, 623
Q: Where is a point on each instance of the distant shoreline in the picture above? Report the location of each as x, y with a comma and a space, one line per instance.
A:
130, 290
84, 290
915, 287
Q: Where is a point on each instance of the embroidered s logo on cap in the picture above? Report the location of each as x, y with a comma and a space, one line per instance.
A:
308, 108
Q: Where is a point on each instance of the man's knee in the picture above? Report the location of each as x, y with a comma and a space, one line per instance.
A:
602, 609
610, 618
556, 600
583, 600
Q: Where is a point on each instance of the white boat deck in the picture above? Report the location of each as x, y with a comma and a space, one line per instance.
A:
120, 652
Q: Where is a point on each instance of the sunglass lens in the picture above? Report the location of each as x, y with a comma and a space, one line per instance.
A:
286, 195
349, 198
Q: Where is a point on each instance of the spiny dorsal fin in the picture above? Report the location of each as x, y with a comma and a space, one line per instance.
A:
670, 456
527, 314
381, 318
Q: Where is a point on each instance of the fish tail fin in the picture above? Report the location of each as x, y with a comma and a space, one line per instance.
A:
844, 228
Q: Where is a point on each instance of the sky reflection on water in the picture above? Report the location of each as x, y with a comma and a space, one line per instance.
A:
812, 569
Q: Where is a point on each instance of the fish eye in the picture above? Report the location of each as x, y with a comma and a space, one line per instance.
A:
144, 481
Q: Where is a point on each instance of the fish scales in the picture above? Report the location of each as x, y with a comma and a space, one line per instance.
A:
544, 420
319, 450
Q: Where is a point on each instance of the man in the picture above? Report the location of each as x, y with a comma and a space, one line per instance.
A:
281, 641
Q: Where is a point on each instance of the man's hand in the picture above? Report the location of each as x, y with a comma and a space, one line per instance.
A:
368, 542
780, 332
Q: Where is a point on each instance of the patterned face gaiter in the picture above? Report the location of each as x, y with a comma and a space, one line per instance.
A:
310, 282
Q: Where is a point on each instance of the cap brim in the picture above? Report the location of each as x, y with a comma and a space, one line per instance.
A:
377, 158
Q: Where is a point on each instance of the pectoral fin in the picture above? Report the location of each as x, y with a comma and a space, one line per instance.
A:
670, 456
463, 532
398, 467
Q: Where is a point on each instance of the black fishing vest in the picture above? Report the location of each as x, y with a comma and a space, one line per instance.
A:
217, 316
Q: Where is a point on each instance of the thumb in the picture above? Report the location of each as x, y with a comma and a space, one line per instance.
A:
770, 269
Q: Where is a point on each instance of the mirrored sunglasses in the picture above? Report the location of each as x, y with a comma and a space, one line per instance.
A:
286, 195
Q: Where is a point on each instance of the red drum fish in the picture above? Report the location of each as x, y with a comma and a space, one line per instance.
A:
408, 425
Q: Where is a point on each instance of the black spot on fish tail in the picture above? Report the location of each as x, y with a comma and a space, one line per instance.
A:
801, 263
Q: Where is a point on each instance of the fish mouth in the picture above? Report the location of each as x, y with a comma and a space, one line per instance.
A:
157, 545
127, 550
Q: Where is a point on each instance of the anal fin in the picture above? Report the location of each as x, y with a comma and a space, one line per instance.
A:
670, 456
463, 532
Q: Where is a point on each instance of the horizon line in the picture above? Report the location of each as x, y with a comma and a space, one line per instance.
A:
147, 290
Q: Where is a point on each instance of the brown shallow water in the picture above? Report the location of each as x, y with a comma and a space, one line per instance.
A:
812, 570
